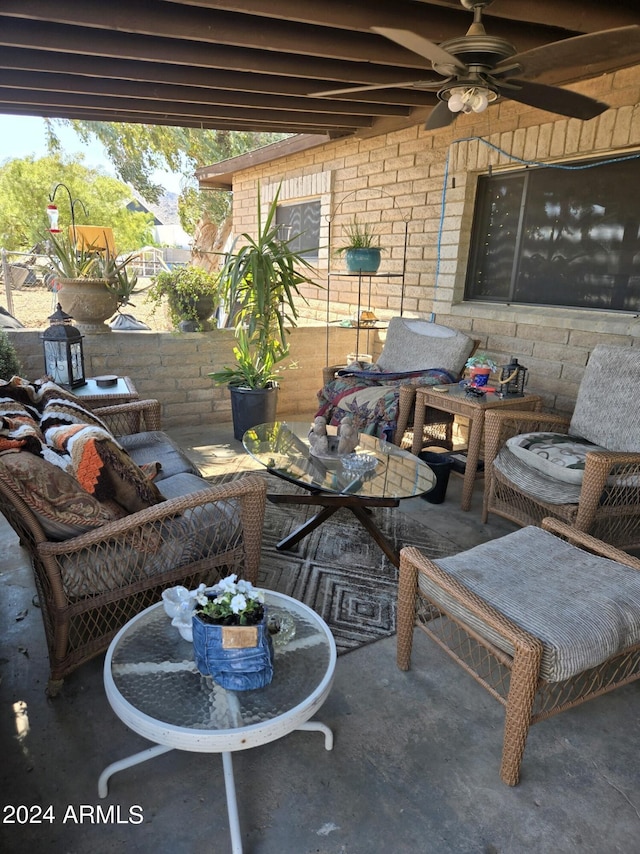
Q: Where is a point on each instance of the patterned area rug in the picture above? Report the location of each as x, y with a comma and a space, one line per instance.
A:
338, 570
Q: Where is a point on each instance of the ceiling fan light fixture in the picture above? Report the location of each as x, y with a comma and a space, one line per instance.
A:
470, 99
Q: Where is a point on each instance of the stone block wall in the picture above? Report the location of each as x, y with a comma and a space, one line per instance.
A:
173, 367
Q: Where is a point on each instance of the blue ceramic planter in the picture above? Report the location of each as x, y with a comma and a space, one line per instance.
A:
362, 260
238, 658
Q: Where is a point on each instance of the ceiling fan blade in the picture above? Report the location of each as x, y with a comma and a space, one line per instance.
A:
426, 85
579, 57
440, 117
551, 98
423, 47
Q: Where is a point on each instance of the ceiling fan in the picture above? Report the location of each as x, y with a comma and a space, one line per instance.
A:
479, 68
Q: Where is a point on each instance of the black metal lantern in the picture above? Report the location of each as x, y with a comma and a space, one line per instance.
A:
512, 379
63, 356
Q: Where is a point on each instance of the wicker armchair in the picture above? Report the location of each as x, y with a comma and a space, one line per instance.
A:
584, 470
91, 584
508, 612
415, 352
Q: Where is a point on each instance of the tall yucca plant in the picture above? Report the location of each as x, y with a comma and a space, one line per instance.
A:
259, 283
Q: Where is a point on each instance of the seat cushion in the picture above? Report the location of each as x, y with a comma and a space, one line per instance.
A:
212, 532
582, 607
534, 482
155, 446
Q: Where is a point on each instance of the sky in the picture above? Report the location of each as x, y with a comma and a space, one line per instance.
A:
21, 136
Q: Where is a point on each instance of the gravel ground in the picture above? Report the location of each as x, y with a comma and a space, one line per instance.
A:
32, 306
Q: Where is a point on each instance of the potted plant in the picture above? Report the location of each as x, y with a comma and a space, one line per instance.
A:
231, 638
480, 367
86, 280
191, 293
260, 282
362, 248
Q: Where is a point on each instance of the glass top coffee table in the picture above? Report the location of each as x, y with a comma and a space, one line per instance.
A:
154, 687
393, 474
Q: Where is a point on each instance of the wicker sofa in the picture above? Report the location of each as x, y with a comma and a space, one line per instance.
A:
100, 558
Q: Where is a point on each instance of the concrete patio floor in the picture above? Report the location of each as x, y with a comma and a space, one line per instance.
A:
414, 766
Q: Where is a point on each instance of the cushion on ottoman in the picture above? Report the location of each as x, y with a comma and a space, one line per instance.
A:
532, 577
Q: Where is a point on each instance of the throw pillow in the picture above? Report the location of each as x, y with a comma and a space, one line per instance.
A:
104, 468
56, 499
554, 454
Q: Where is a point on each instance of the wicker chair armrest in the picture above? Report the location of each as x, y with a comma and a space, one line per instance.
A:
329, 373
250, 487
500, 426
587, 542
137, 416
406, 404
609, 479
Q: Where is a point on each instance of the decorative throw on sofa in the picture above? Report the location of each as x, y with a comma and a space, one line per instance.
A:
51, 423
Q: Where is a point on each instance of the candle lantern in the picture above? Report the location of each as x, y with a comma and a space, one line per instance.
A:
512, 379
63, 356
53, 214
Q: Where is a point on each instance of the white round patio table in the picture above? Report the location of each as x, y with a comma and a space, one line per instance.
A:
154, 687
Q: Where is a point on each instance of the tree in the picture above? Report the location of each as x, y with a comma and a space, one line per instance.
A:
136, 151
25, 185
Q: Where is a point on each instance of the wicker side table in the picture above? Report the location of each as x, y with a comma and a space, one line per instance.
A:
94, 395
456, 402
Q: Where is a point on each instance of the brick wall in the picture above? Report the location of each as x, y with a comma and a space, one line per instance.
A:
173, 367
396, 181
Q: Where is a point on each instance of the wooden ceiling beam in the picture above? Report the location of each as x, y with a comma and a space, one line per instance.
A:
284, 27
185, 95
86, 43
20, 59
284, 118
97, 115
587, 16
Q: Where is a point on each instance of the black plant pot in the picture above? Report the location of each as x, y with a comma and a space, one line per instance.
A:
251, 406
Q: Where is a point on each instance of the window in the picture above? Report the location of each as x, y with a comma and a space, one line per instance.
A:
559, 236
301, 221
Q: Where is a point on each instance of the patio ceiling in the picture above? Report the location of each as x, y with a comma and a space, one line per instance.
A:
254, 65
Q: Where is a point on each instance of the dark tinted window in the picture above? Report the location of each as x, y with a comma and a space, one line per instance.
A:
549, 236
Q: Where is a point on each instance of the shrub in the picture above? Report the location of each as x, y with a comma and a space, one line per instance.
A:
9, 362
